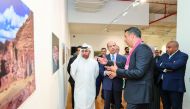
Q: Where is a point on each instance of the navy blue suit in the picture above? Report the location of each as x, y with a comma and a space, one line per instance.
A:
99, 80
172, 72
113, 87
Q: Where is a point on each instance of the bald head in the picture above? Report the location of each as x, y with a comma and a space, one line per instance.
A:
174, 43
111, 45
172, 47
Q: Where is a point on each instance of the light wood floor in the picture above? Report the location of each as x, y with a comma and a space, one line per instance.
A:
99, 101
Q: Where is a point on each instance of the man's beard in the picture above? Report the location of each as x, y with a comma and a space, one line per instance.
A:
85, 56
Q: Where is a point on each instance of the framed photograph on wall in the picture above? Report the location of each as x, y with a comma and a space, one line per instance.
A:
67, 54
55, 53
17, 72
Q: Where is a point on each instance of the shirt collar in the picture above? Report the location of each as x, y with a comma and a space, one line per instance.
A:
115, 54
173, 54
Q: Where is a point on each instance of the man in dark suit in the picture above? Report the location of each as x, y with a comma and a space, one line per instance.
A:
172, 66
71, 81
155, 104
138, 71
112, 87
99, 79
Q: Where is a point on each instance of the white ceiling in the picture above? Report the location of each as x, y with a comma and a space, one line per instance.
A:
156, 6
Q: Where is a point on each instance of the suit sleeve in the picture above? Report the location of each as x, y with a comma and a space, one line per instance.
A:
159, 63
74, 69
69, 66
180, 62
120, 64
143, 59
101, 69
97, 70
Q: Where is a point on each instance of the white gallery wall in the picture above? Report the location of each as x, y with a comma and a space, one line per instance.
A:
49, 16
97, 41
183, 38
100, 40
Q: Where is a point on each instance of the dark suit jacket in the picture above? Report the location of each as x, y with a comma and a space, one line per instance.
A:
116, 83
71, 60
139, 76
173, 79
100, 76
156, 70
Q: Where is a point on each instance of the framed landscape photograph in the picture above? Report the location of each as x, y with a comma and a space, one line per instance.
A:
17, 69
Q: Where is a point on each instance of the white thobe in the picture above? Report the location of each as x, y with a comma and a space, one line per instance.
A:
85, 72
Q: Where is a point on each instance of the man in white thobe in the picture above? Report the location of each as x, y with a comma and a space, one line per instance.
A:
84, 71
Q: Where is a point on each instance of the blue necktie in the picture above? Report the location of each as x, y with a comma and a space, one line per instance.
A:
112, 57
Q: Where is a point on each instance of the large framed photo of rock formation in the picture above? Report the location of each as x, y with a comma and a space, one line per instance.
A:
17, 72
55, 52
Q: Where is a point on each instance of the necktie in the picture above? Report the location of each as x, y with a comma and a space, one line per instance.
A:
112, 57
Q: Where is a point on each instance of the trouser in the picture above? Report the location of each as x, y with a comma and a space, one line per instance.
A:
72, 93
116, 97
137, 106
171, 99
99, 80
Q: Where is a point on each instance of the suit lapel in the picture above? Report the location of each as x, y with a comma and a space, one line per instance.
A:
174, 55
117, 58
108, 57
132, 55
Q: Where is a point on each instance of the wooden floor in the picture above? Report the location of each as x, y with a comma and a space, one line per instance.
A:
99, 101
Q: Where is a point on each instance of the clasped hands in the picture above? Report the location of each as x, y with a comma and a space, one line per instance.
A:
110, 70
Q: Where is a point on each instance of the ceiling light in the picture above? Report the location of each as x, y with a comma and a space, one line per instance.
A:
125, 13
136, 3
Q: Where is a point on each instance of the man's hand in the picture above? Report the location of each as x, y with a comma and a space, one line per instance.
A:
112, 71
110, 74
112, 68
103, 61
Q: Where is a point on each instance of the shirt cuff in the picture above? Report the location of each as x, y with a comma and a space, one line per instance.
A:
105, 73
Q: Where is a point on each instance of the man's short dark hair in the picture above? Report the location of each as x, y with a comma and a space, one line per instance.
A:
103, 49
134, 30
126, 48
79, 46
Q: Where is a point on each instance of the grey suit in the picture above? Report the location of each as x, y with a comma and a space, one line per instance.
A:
138, 90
